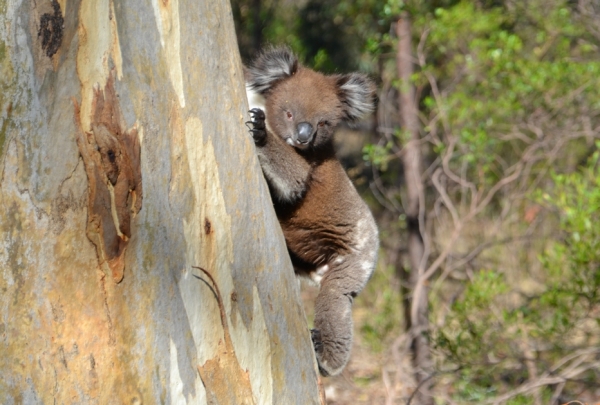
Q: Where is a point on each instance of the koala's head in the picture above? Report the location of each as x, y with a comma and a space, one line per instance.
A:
303, 106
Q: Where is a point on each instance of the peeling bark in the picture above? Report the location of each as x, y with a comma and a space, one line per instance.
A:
111, 155
223, 378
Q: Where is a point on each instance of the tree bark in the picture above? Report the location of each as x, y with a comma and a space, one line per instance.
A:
417, 322
125, 164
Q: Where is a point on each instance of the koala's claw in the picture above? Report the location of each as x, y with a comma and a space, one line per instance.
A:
257, 126
315, 335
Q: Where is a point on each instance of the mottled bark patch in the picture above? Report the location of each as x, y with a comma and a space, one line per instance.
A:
4, 120
111, 154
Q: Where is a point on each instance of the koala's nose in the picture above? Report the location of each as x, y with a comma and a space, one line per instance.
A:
305, 131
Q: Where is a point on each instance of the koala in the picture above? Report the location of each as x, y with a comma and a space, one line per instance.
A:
330, 232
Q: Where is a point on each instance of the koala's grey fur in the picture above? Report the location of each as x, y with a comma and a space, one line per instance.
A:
329, 230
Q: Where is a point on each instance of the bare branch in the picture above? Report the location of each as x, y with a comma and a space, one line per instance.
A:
547, 378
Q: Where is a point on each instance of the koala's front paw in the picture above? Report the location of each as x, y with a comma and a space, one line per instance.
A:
257, 127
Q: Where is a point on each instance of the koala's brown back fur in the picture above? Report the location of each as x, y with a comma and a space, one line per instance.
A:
329, 230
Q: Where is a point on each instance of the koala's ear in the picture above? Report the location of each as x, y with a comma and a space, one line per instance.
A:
270, 67
357, 94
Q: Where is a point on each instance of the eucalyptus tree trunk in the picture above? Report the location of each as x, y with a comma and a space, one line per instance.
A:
128, 183
417, 322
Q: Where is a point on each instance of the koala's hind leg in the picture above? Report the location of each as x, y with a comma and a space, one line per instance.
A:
332, 335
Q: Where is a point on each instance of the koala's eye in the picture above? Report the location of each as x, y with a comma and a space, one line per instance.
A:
322, 124
289, 115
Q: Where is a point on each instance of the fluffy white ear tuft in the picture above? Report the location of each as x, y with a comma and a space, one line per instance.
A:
270, 67
357, 93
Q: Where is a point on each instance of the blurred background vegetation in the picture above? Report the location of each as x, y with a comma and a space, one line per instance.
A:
506, 97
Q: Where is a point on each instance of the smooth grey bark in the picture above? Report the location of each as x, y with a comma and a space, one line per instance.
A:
125, 164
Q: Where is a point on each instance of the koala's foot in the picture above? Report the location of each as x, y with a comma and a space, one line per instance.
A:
257, 127
315, 335
332, 333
